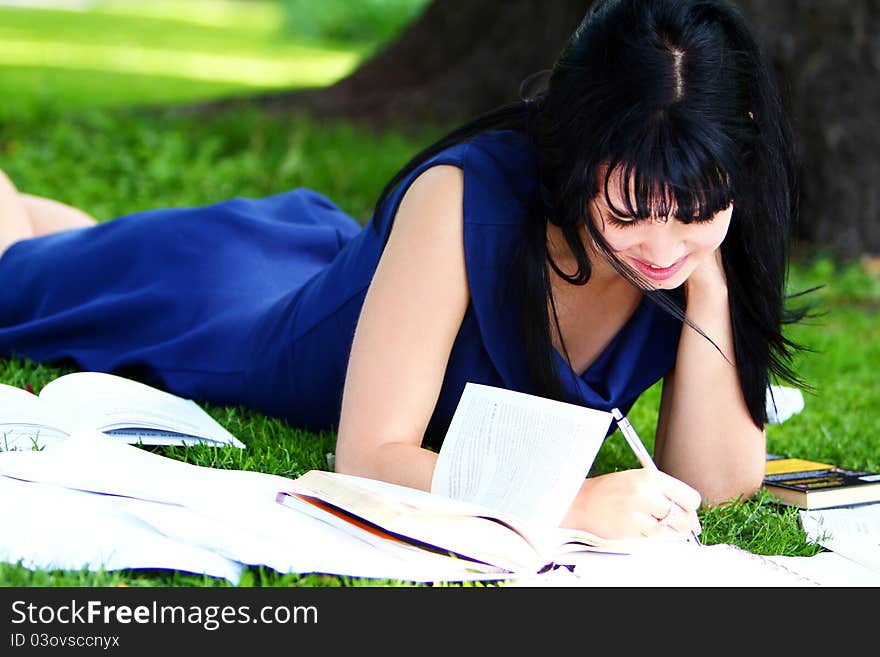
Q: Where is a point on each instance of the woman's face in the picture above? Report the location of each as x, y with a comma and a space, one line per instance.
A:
662, 251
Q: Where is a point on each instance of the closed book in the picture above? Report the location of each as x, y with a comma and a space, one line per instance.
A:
816, 485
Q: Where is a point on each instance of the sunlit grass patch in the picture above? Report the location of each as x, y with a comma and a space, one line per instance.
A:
150, 53
300, 66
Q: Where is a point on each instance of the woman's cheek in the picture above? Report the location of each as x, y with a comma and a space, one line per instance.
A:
722, 234
620, 242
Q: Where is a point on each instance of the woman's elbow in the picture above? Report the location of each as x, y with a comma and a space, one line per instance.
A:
346, 461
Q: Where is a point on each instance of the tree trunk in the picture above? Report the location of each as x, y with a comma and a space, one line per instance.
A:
827, 55
457, 59
463, 57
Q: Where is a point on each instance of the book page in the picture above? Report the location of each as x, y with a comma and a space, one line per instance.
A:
434, 522
25, 421
851, 531
518, 453
435, 566
133, 410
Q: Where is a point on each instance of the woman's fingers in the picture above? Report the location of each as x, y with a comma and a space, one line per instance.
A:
650, 526
668, 514
663, 509
682, 521
676, 505
686, 497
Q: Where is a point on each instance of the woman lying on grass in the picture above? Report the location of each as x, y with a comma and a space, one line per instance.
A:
627, 223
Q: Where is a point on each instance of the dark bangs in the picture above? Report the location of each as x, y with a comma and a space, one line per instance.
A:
670, 169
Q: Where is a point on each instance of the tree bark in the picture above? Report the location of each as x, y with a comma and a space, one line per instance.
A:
460, 58
457, 59
827, 56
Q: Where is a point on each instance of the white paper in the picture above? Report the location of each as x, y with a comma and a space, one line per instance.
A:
831, 569
682, 563
25, 422
230, 514
130, 410
717, 566
95, 400
851, 531
49, 527
518, 453
212, 521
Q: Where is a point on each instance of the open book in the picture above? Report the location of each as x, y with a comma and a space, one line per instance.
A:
395, 518
483, 539
510, 466
129, 410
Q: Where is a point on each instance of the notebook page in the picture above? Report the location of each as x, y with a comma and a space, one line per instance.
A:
685, 564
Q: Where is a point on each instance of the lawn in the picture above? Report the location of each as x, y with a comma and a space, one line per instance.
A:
122, 53
69, 132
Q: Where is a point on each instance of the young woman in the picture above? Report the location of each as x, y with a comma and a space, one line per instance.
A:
627, 223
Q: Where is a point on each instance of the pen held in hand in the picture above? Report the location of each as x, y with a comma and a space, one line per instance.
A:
638, 447
632, 438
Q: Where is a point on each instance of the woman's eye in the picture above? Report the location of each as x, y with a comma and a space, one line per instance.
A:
620, 222
699, 220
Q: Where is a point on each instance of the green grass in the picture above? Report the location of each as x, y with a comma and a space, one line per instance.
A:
66, 134
151, 53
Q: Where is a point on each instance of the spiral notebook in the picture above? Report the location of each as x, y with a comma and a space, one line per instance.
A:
685, 564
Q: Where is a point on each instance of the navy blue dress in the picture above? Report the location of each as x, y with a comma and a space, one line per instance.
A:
253, 302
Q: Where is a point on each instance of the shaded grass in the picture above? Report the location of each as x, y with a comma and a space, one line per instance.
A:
111, 164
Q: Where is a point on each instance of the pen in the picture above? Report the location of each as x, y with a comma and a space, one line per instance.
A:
638, 447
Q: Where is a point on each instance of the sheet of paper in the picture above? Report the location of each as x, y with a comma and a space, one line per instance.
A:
824, 569
230, 513
831, 569
851, 531
50, 527
518, 453
675, 564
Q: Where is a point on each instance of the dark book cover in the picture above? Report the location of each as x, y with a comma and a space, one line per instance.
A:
817, 480
811, 480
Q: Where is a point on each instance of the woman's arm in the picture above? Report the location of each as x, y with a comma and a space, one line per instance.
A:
705, 434
408, 324
411, 315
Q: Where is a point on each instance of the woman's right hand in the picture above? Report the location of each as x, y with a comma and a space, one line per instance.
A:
635, 503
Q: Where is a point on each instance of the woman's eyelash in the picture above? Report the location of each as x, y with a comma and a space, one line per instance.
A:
627, 223
622, 223
702, 220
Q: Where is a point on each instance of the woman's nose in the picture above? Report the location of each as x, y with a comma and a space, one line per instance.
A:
663, 244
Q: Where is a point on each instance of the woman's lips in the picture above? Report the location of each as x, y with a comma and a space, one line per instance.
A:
658, 273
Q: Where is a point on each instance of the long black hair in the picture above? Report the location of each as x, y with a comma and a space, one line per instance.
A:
678, 97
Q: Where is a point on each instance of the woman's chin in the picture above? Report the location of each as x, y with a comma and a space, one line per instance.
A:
666, 284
